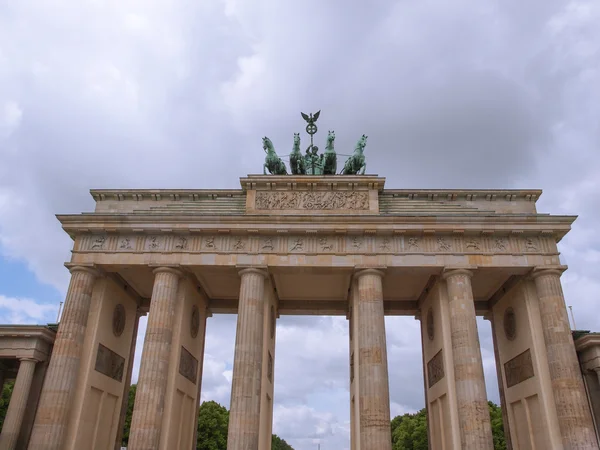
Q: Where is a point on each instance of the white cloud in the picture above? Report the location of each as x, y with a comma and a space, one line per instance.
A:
26, 311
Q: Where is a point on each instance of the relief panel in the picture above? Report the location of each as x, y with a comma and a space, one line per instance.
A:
435, 369
109, 363
188, 365
339, 200
518, 369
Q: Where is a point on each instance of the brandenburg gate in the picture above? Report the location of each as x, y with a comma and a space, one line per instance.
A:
316, 244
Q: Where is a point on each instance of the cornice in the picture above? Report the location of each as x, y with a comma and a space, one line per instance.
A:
312, 220
161, 194
28, 331
316, 183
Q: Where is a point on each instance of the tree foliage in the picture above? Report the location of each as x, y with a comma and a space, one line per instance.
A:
128, 414
279, 444
213, 421
409, 431
5, 399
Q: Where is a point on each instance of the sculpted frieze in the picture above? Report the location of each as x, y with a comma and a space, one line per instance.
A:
351, 200
316, 243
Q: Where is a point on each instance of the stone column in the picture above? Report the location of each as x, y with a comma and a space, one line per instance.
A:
146, 422
597, 370
244, 417
125, 401
473, 411
572, 409
16, 407
52, 417
503, 405
373, 385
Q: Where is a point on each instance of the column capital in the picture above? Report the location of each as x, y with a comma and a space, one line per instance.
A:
360, 271
167, 269
453, 271
260, 270
91, 269
29, 359
547, 270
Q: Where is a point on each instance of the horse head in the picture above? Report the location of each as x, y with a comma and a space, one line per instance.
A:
296, 141
330, 138
268, 145
361, 144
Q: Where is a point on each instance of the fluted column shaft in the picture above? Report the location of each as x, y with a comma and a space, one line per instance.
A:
146, 422
52, 415
244, 417
127, 384
473, 412
572, 409
374, 389
17, 405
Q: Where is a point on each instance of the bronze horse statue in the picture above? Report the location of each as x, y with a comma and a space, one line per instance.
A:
272, 161
357, 163
297, 164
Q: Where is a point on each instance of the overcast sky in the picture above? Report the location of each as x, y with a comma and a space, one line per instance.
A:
177, 94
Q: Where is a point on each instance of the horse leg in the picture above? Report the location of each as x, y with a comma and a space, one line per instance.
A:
364, 167
265, 168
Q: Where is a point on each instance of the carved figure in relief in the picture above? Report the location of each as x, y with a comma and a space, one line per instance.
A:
325, 245
413, 242
125, 244
99, 243
272, 161
330, 163
181, 243
500, 244
443, 245
268, 244
357, 163
296, 159
298, 245
239, 244
385, 244
210, 242
154, 242
530, 245
473, 244
356, 243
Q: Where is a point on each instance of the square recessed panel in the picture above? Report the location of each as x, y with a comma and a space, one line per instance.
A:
402, 284
486, 282
312, 285
219, 282
140, 278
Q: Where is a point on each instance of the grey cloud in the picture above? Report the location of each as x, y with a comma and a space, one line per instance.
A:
498, 94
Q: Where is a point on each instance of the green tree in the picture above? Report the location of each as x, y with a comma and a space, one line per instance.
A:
5, 400
497, 426
213, 421
128, 414
409, 431
279, 444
